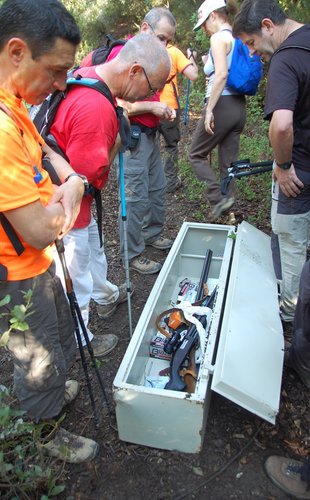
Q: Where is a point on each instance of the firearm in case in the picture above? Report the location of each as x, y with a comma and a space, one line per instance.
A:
184, 347
243, 356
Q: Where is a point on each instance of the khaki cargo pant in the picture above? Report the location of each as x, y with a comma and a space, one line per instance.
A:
42, 354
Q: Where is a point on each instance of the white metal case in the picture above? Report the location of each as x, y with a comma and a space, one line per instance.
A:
244, 351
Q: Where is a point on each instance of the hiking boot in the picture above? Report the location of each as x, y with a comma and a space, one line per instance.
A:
70, 447
72, 388
176, 186
223, 206
105, 311
161, 243
101, 344
287, 475
144, 266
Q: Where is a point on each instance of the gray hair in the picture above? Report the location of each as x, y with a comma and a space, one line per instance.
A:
156, 14
146, 50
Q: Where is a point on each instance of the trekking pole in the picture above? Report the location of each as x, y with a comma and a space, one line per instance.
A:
78, 320
187, 101
124, 221
238, 165
237, 170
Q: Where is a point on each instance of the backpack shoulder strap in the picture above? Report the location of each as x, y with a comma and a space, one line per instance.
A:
11, 234
102, 87
93, 83
45, 117
291, 47
171, 78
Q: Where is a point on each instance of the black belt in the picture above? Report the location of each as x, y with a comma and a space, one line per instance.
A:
146, 130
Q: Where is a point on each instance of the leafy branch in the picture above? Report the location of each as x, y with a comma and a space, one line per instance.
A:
17, 315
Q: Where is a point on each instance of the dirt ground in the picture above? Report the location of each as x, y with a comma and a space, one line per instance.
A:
236, 443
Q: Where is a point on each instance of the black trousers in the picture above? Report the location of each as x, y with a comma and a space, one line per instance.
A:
300, 351
172, 135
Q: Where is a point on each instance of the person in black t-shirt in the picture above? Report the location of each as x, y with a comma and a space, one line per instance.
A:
266, 30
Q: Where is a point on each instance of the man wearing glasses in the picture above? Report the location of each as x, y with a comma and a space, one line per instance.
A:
145, 182
85, 128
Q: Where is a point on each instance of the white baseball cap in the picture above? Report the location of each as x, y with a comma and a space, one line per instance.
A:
205, 10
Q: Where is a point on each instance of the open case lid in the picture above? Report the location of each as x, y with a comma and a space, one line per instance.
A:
249, 361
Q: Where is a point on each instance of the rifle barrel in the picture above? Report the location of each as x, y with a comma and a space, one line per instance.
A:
204, 274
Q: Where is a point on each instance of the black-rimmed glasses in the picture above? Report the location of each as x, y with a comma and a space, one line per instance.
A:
152, 91
161, 37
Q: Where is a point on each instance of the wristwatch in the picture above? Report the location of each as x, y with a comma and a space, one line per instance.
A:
286, 165
84, 179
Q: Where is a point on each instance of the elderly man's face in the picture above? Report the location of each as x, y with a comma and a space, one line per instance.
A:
142, 84
36, 79
163, 30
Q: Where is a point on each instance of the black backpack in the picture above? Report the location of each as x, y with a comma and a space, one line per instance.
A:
101, 54
44, 116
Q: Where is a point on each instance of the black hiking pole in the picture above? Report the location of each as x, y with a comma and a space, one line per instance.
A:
124, 221
243, 168
78, 320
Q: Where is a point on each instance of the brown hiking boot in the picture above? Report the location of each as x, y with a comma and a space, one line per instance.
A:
161, 243
101, 344
70, 447
144, 266
105, 311
287, 475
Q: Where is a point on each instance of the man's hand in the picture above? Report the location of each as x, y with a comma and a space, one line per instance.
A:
163, 111
209, 122
288, 181
70, 196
